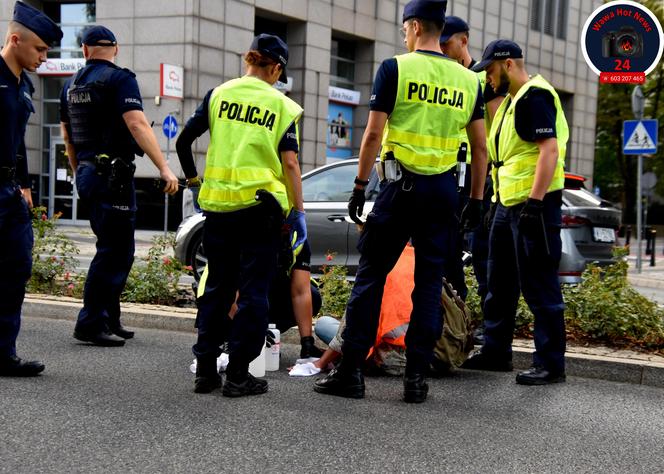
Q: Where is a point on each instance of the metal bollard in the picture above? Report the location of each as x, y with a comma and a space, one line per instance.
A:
653, 238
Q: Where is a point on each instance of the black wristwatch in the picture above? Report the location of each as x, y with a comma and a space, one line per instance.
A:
361, 182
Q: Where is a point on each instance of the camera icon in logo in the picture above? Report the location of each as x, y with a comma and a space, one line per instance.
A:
624, 43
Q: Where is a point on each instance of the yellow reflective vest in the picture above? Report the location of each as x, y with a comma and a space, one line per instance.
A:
248, 118
517, 157
435, 100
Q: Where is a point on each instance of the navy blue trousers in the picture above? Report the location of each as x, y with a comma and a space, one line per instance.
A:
519, 263
242, 248
113, 221
420, 208
16, 241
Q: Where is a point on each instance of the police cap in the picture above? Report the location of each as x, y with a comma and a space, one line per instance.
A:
273, 47
453, 25
497, 50
37, 22
98, 36
433, 10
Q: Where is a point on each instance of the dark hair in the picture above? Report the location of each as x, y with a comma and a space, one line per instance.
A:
254, 58
430, 27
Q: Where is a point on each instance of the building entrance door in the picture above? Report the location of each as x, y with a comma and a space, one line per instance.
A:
63, 197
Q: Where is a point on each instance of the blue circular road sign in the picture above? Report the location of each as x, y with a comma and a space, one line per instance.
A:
170, 126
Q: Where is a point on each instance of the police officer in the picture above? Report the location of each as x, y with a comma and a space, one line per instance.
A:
527, 145
28, 38
252, 154
454, 44
104, 126
421, 100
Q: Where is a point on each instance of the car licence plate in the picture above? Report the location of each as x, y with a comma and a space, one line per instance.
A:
604, 234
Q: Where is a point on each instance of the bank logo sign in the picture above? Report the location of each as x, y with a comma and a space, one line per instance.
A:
622, 42
171, 81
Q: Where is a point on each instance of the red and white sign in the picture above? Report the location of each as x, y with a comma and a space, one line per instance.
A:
60, 67
171, 81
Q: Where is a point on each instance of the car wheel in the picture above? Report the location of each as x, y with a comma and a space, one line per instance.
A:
197, 258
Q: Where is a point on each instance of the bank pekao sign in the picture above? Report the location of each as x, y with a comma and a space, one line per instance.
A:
345, 96
60, 67
171, 83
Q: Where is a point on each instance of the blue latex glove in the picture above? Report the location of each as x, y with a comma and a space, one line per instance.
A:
298, 228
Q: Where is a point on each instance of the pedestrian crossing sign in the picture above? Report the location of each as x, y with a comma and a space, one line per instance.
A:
640, 137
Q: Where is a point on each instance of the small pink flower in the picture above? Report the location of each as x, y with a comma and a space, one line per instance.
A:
329, 257
43, 217
167, 261
189, 268
53, 259
70, 286
67, 275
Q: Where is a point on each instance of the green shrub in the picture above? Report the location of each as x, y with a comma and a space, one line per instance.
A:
603, 308
334, 289
53, 261
155, 280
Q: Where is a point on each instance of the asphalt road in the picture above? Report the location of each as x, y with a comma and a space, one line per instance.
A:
132, 409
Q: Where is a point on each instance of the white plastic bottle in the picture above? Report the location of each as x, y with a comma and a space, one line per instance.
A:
257, 366
272, 353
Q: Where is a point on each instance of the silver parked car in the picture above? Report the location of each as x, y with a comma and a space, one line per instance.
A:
588, 234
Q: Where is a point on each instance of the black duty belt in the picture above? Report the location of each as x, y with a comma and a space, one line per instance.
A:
7, 173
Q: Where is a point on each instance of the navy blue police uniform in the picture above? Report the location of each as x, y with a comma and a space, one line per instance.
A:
417, 207
535, 119
256, 221
404, 210
91, 106
16, 236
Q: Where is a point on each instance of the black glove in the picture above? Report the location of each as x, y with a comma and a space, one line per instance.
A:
269, 339
471, 215
531, 224
356, 205
530, 217
488, 217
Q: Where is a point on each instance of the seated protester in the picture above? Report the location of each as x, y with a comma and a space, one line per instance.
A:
388, 352
391, 334
294, 298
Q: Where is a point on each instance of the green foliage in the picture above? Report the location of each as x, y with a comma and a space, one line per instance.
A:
155, 280
603, 309
53, 260
524, 318
334, 289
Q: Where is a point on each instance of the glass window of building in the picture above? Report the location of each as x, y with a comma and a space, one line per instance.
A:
342, 63
549, 17
72, 18
273, 27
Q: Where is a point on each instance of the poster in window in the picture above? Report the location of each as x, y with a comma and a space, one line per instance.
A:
339, 131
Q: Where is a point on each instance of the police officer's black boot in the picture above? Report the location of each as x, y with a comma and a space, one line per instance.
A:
120, 331
207, 377
309, 349
415, 388
239, 382
344, 381
15, 367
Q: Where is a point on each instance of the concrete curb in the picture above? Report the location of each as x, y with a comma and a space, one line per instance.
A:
613, 369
